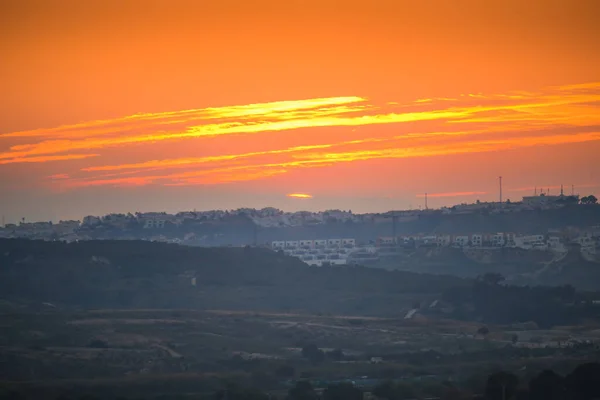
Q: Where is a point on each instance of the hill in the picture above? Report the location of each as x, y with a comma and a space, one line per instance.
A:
137, 318
526, 222
141, 274
147, 275
242, 230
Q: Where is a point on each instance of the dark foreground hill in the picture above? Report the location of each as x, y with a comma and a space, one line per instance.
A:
147, 275
141, 274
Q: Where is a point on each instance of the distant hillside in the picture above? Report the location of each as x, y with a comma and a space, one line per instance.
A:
537, 221
241, 230
519, 266
148, 275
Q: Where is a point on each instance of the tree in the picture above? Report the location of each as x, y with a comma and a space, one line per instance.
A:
591, 199
336, 354
548, 385
584, 381
491, 278
342, 391
303, 390
285, 371
313, 353
514, 339
98, 344
261, 379
233, 392
393, 391
483, 331
501, 386
451, 392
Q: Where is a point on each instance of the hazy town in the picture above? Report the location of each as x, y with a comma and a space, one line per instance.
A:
299, 200
183, 228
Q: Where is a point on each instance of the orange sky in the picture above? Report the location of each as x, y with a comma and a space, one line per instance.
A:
116, 106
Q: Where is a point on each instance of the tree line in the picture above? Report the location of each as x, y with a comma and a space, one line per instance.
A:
583, 383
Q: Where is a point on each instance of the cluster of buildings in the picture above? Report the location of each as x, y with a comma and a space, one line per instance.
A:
41, 230
349, 251
327, 251
157, 224
554, 240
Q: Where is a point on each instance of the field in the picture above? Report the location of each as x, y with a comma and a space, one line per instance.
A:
155, 321
167, 351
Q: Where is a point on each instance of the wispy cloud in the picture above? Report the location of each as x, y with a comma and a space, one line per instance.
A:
300, 195
469, 123
43, 159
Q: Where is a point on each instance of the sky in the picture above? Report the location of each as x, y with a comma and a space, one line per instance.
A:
123, 106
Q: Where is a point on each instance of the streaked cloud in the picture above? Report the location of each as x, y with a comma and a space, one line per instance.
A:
300, 195
59, 176
259, 141
43, 159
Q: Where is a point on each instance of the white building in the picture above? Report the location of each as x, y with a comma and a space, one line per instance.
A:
317, 252
555, 244
530, 241
386, 240
477, 240
461, 241
154, 223
91, 220
510, 239
348, 242
498, 240
334, 242
320, 243
443, 240
278, 245
66, 227
429, 240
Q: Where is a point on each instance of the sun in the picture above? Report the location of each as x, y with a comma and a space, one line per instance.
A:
300, 195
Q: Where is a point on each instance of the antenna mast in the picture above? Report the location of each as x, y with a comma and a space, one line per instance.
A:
500, 183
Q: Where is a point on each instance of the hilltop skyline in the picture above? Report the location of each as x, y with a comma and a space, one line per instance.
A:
555, 200
112, 107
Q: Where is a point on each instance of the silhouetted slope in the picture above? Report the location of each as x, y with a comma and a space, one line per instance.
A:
157, 275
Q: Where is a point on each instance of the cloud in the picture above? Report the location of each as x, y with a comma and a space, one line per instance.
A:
43, 159
300, 195
59, 176
215, 145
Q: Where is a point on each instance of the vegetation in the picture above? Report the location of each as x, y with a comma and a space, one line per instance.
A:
138, 274
583, 383
125, 319
489, 301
